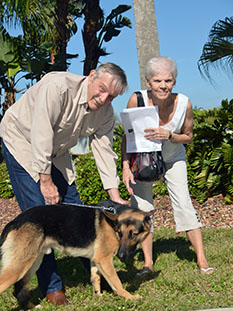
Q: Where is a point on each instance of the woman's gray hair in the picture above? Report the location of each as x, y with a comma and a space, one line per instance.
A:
160, 64
118, 75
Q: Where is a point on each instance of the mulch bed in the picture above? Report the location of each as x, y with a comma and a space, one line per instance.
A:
213, 213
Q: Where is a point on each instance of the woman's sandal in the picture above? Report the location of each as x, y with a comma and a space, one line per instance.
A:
207, 270
144, 272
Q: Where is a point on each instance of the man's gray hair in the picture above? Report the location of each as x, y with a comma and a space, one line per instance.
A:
118, 74
160, 64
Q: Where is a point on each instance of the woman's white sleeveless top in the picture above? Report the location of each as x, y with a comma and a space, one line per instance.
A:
173, 152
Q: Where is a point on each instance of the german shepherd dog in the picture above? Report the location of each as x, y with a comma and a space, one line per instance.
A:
93, 233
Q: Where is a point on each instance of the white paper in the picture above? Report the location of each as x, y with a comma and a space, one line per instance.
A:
135, 120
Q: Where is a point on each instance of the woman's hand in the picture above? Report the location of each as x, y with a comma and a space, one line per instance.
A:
127, 178
157, 133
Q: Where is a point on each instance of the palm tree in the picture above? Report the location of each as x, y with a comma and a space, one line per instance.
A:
98, 29
219, 50
146, 34
47, 27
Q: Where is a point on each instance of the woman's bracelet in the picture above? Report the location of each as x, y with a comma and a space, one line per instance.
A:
170, 135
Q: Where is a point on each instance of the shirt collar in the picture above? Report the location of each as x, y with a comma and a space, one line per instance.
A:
83, 98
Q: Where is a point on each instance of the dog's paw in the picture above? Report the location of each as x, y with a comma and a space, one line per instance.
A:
98, 294
133, 297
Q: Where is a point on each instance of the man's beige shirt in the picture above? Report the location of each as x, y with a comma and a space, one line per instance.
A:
41, 127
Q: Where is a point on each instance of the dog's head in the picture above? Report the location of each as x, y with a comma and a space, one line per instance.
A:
132, 226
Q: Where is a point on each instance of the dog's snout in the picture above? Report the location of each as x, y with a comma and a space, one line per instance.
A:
125, 251
121, 254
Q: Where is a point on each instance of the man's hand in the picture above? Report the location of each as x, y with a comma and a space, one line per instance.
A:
48, 189
115, 196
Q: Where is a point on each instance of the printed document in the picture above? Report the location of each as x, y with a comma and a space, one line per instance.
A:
135, 120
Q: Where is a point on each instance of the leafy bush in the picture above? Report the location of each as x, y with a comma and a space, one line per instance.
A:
6, 190
209, 161
210, 155
88, 181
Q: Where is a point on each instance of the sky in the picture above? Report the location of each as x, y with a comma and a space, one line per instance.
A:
183, 29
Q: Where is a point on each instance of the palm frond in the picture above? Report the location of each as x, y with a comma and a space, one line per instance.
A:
227, 152
218, 51
222, 29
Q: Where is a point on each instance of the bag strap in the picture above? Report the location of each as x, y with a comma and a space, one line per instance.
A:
140, 99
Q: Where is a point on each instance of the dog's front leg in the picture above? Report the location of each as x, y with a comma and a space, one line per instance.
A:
106, 268
95, 279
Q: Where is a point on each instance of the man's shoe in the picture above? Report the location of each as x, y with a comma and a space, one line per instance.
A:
57, 298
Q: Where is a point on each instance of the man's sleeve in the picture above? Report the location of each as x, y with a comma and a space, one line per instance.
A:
105, 157
46, 112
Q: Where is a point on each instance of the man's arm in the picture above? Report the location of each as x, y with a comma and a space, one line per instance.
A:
46, 113
105, 157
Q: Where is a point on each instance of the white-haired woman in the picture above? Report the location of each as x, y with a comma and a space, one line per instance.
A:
175, 129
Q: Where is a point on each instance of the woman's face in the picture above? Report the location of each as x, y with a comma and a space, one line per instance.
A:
161, 85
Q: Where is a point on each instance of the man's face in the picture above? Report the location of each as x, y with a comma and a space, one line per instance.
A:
101, 91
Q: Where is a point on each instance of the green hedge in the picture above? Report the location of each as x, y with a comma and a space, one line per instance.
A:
87, 178
209, 161
6, 190
210, 154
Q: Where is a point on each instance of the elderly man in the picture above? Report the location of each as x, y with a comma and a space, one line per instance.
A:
37, 133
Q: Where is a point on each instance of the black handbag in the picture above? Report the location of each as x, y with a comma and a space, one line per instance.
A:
146, 166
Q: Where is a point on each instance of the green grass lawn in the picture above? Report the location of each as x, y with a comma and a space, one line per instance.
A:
176, 285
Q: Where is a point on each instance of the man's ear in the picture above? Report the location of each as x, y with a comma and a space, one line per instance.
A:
92, 73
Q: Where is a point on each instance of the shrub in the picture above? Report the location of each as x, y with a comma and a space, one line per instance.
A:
6, 190
210, 155
209, 161
88, 181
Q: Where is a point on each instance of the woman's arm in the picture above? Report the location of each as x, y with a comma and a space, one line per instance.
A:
127, 175
184, 137
186, 134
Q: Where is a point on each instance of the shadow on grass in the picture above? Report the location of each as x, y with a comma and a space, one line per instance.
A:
130, 275
179, 245
73, 272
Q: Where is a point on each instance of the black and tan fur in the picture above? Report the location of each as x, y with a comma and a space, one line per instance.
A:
75, 231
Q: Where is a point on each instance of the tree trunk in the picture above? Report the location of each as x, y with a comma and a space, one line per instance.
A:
9, 96
146, 34
61, 43
93, 14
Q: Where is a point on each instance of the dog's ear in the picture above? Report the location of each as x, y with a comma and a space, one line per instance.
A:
150, 213
147, 215
110, 215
